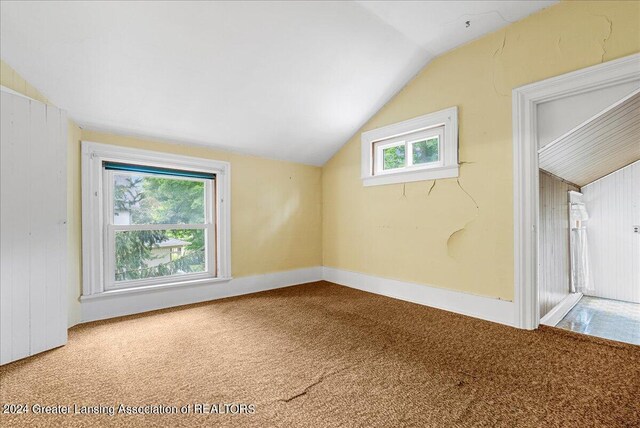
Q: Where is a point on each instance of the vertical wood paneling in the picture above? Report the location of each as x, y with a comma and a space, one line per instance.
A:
33, 237
613, 204
18, 227
57, 290
39, 233
554, 267
6, 291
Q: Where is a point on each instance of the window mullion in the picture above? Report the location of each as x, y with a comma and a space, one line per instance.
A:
143, 227
408, 160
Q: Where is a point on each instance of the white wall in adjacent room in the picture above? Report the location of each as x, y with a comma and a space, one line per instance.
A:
613, 204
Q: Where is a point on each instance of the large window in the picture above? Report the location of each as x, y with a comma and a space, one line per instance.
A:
423, 148
158, 219
158, 224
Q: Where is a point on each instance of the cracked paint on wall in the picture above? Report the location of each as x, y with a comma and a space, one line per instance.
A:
497, 64
431, 232
453, 242
431, 187
606, 37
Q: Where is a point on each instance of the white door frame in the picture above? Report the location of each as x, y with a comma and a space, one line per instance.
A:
525, 168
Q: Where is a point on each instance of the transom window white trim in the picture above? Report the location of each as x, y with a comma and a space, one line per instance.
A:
443, 124
95, 243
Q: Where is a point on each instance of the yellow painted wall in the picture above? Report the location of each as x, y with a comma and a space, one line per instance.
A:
275, 205
12, 80
458, 234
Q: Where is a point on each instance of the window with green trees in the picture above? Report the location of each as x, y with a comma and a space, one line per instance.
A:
159, 225
394, 157
426, 151
417, 150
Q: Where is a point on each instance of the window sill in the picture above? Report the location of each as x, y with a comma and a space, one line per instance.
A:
450, 171
152, 288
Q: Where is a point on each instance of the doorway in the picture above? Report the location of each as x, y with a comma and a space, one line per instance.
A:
568, 101
589, 225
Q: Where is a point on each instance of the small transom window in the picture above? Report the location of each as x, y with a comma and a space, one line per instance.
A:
417, 150
423, 148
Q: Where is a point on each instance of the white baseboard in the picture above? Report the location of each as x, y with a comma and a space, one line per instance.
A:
555, 315
116, 305
486, 308
133, 303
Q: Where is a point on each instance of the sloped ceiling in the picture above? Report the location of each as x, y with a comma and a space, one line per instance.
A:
600, 146
284, 80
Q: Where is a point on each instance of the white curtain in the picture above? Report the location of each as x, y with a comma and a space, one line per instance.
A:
579, 250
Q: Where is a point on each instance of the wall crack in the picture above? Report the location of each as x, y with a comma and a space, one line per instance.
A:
605, 38
558, 43
431, 188
454, 235
470, 197
500, 50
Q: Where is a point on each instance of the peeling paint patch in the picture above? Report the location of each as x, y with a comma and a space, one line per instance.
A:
454, 237
452, 240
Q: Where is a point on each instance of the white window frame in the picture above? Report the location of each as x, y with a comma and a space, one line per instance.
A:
97, 244
443, 122
111, 229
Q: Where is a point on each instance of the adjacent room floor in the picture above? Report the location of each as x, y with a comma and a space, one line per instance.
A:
322, 355
610, 319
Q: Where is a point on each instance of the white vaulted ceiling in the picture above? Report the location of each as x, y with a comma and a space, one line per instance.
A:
285, 80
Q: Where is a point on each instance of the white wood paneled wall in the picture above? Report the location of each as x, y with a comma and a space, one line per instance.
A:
554, 267
33, 237
613, 204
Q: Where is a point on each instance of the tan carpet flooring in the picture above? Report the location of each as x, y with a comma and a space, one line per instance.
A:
322, 355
